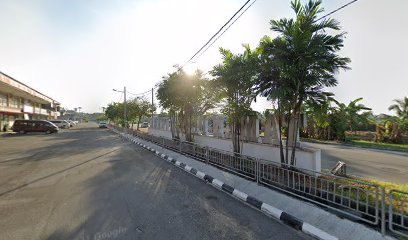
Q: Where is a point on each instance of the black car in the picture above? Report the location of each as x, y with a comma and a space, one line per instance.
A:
25, 126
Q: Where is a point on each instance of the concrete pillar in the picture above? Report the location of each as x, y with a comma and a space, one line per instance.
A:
222, 126
227, 132
205, 132
218, 126
268, 130
257, 126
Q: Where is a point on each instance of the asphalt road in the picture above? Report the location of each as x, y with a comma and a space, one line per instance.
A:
86, 183
389, 166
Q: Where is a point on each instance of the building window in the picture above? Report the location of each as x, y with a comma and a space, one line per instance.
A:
3, 100
14, 102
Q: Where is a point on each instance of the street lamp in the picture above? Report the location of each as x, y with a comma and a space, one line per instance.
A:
79, 111
124, 105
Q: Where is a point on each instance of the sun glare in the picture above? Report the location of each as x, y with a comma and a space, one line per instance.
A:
190, 69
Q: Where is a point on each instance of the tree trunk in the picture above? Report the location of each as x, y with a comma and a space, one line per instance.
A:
280, 138
288, 120
138, 122
295, 132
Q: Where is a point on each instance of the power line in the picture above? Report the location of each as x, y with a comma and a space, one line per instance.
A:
143, 93
138, 94
217, 32
120, 98
336, 10
223, 31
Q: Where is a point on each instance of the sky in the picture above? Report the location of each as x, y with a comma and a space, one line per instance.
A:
78, 51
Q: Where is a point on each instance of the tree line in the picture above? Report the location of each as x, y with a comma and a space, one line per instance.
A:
292, 70
289, 70
136, 109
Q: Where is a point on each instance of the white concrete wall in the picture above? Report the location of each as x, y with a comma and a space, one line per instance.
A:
307, 158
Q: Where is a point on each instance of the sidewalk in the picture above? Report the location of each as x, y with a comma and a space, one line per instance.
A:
313, 215
3, 134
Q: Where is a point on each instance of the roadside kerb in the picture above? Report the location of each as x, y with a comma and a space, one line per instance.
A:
250, 200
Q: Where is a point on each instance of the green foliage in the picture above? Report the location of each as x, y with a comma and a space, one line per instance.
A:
297, 65
331, 119
186, 96
234, 78
135, 110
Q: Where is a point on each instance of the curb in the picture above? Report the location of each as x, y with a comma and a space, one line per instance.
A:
252, 201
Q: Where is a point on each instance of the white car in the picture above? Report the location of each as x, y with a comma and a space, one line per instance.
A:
103, 124
60, 123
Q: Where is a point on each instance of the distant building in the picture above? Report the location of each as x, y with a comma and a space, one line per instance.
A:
19, 101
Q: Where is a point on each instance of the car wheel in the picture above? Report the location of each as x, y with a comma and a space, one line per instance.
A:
48, 132
22, 132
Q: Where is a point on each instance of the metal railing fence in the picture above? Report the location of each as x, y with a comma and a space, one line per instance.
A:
397, 213
351, 197
360, 200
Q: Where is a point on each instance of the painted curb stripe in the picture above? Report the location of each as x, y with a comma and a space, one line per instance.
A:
227, 188
208, 178
309, 229
240, 195
200, 174
274, 212
254, 202
291, 220
217, 183
264, 207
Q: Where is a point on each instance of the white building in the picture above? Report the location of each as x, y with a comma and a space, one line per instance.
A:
19, 101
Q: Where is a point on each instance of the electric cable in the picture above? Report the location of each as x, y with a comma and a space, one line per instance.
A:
217, 33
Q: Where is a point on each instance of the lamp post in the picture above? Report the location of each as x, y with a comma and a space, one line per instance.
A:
79, 111
124, 105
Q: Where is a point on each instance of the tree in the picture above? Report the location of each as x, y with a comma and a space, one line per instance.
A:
185, 97
144, 109
234, 78
401, 108
114, 112
298, 64
349, 117
319, 124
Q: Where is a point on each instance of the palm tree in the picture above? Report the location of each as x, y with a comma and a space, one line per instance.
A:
400, 123
233, 76
298, 64
400, 107
320, 115
351, 113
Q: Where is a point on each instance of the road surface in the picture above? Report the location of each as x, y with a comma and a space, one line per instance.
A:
86, 183
389, 166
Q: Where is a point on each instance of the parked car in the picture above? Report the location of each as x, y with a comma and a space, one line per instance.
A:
103, 124
25, 126
66, 122
60, 123
71, 123
145, 125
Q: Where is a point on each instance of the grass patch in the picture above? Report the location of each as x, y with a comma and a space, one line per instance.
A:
400, 202
387, 146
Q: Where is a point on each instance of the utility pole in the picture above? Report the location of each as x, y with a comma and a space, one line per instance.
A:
124, 106
152, 123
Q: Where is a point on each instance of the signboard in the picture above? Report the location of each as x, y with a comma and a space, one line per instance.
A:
23, 87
